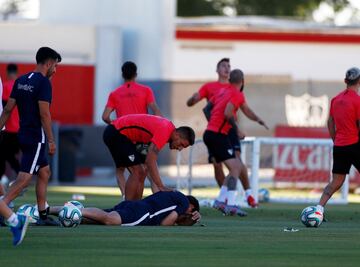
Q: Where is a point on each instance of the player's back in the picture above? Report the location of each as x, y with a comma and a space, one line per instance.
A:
163, 203
345, 110
28, 90
217, 122
131, 98
12, 124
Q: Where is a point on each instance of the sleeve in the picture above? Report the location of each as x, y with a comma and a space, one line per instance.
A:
182, 203
203, 91
1, 92
111, 103
45, 92
150, 98
238, 100
162, 136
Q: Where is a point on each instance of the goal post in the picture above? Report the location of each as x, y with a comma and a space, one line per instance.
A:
294, 170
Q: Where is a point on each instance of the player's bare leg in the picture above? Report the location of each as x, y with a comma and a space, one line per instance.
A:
120, 178
135, 183
108, 218
335, 184
219, 173
2, 190
21, 182
41, 187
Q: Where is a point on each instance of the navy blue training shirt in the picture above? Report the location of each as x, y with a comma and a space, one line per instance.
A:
28, 90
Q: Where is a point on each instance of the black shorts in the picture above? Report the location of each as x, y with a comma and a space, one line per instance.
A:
344, 157
123, 151
219, 146
234, 139
33, 157
132, 213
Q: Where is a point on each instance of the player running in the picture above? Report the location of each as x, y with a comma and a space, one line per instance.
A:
343, 126
129, 98
9, 143
221, 111
32, 94
161, 208
121, 137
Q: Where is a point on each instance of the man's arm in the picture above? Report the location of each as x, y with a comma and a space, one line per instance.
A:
7, 112
207, 110
45, 117
155, 109
193, 100
331, 127
229, 111
152, 168
106, 115
251, 115
170, 219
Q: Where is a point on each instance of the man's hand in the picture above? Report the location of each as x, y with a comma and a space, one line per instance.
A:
52, 148
240, 134
196, 216
261, 122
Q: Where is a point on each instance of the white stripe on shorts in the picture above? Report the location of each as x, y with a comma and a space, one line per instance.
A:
136, 222
35, 158
162, 211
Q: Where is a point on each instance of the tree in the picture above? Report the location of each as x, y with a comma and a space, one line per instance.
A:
11, 7
278, 8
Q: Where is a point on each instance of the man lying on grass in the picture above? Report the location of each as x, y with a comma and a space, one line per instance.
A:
164, 208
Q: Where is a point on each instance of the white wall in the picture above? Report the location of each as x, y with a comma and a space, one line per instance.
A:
20, 41
147, 27
194, 60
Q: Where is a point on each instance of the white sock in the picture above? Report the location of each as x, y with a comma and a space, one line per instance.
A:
248, 192
231, 197
13, 220
222, 193
320, 208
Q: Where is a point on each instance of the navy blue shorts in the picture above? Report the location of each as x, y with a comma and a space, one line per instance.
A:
219, 146
344, 157
33, 157
132, 213
123, 151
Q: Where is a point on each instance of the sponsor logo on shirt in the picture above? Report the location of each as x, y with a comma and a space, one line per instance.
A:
230, 151
131, 157
25, 87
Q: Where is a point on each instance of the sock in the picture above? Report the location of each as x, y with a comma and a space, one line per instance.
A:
320, 208
248, 192
44, 213
12, 220
231, 197
222, 193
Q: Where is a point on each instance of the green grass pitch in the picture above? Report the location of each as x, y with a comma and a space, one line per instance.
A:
257, 240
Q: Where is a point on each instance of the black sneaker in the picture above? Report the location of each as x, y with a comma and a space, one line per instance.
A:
47, 222
2, 221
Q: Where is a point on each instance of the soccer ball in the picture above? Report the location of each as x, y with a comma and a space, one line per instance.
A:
77, 204
311, 217
30, 211
70, 215
264, 195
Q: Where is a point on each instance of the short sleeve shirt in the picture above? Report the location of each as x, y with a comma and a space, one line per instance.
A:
208, 90
28, 90
218, 122
144, 128
130, 98
12, 124
345, 110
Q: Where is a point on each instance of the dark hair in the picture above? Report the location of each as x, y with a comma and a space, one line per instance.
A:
225, 59
236, 76
352, 76
352, 82
129, 70
194, 202
187, 133
46, 53
12, 68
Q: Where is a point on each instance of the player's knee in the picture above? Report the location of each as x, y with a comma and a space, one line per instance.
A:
140, 173
112, 218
